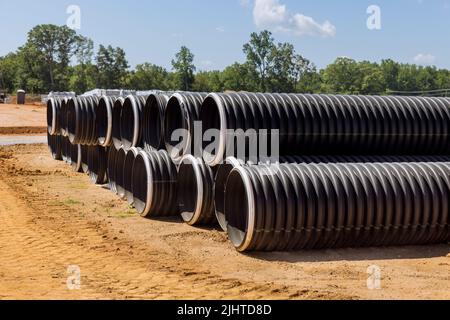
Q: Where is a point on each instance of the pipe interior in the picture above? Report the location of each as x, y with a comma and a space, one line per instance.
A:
71, 119
117, 113
154, 123
128, 176
236, 208
140, 184
187, 191
50, 115
219, 194
173, 121
112, 156
102, 120
74, 155
127, 124
210, 117
120, 160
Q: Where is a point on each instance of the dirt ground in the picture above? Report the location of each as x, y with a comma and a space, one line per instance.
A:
22, 119
52, 219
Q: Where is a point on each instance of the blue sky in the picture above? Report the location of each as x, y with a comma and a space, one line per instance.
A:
215, 30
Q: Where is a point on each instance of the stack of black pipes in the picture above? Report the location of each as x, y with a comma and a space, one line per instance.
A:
349, 170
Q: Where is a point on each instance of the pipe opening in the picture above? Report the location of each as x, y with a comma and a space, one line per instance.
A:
188, 190
219, 193
128, 176
71, 120
140, 185
120, 161
112, 155
211, 120
117, 113
75, 156
127, 124
102, 118
236, 208
50, 120
154, 123
174, 120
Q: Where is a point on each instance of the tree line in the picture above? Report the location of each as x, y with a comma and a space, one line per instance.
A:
56, 58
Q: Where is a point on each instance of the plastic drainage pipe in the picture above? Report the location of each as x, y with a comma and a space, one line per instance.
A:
128, 174
84, 159
328, 124
75, 156
104, 120
131, 121
117, 114
153, 119
120, 162
196, 191
183, 110
112, 156
53, 115
54, 146
155, 184
314, 206
97, 161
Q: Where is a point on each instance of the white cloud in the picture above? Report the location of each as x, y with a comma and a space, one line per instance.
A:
303, 25
274, 15
269, 13
220, 29
424, 59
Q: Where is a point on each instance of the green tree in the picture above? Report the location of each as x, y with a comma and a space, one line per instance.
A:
112, 67
342, 76
260, 54
208, 81
239, 77
8, 71
84, 74
149, 76
184, 67
57, 45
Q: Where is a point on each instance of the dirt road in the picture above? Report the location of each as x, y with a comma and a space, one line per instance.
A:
22, 119
52, 219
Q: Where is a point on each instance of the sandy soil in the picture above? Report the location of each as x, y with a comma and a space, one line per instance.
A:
24, 119
51, 218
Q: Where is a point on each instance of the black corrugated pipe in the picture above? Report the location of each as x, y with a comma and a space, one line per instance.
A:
128, 174
196, 191
66, 150
75, 121
81, 123
54, 145
312, 206
75, 158
97, 162
155, 184
53, 116
84, 159
153, 115
331, 124
104, 120
63, 117
91, 137
230, 163
120, 162
131, 121
112, 155
117, 115
183, 109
